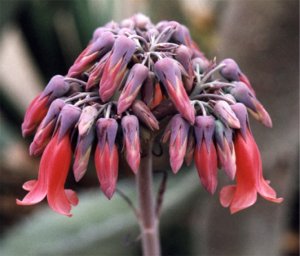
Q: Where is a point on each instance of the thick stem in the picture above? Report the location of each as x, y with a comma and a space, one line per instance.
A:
148, 218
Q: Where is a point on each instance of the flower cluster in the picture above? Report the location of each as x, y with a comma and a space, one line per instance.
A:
136, 73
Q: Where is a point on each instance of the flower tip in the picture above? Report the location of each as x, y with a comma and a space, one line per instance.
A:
109, 191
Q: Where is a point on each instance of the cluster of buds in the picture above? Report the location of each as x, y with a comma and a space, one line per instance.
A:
136, 74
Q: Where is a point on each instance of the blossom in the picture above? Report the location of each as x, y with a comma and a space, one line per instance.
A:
138, 76
106, 155
205, 152
249, 176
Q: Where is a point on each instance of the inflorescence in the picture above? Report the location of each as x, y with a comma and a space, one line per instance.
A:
137, 74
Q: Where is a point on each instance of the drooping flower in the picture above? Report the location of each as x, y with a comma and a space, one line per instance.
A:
115, 67
54, 168
106, 155
169, 73
177, 133
249, 176
205, 152
130, 126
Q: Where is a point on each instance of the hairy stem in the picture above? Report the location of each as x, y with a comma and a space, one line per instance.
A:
148, 218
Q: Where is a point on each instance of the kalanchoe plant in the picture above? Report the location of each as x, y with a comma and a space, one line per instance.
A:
132, 79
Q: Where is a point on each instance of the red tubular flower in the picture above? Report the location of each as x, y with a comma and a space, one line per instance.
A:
130, 125
242, 94
115, 67
136, 77
167, 70
54, 167
106, 155
205, 155
177, 131
249, 175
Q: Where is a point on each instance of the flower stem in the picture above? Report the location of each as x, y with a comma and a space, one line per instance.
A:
148, 219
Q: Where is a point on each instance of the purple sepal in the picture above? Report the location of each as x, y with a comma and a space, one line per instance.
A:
56, 88
204, 129
241, 113
106, 132
87, 119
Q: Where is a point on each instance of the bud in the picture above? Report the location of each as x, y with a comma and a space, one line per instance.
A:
130, 126
136, 77
115, 67
141, 110
225, 113
168, 72
57, 87
87, 119
205, 155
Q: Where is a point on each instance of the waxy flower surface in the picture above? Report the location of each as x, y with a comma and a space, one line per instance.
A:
136, 75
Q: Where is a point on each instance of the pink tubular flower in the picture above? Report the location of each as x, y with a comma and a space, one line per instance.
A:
167, 70
115, 67
106, 155
130, 125
249, 176
205, 152
54, 168
177, 132
136, 77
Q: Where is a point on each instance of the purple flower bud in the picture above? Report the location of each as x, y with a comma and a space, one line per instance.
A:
130, 126
115, 67
136, 77
182, 34
141, 110
57, 87
225, 113
204, 128
225, 149
87, 119
106, 132
178, 141
183, 55
167, 70
242, 94
241, 113
102, 45
53, 111
232, 72
67, 119
141, 21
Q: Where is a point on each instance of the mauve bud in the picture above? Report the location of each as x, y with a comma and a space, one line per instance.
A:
201, 63
106, 131
57, 87
68, 117
242, 94
141, 110
115, 67
87, 119
102, 45
225, 113
136, 77
167, 70
130, 126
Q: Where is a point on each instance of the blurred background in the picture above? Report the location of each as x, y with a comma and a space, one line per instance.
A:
39, 39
